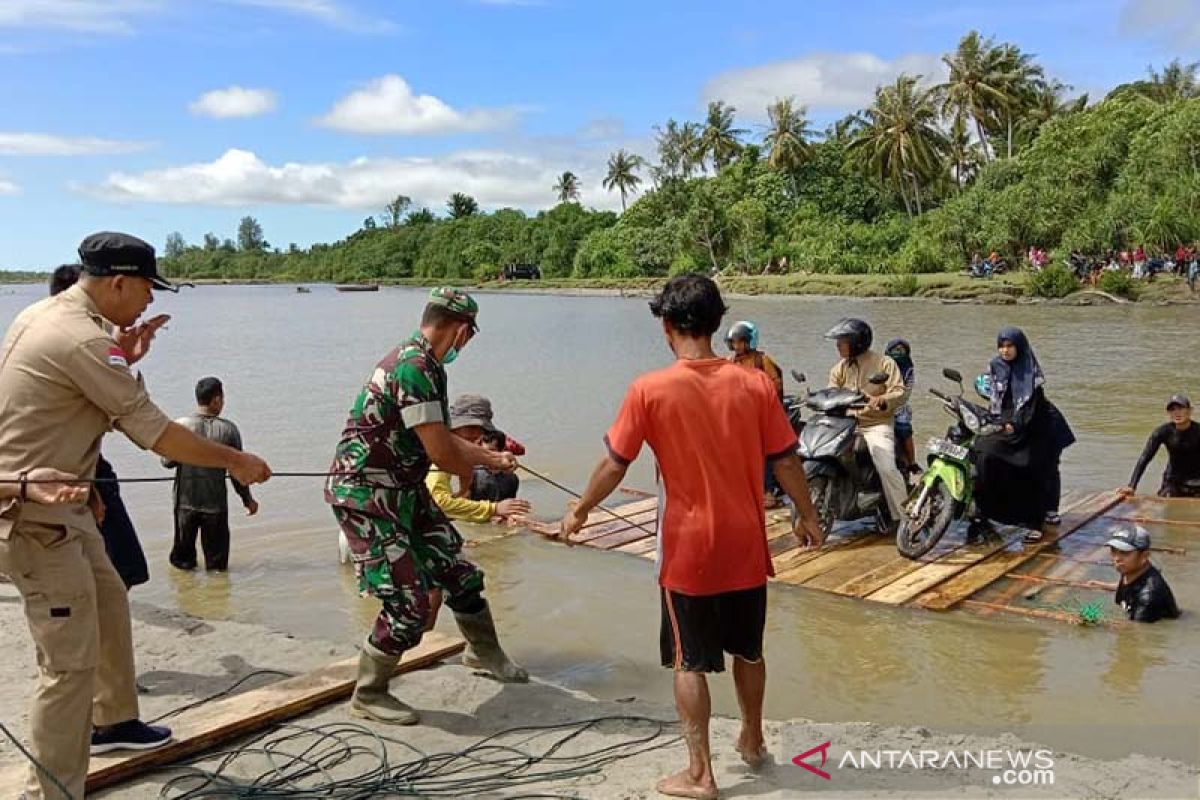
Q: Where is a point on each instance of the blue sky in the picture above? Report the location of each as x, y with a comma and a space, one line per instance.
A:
152, 116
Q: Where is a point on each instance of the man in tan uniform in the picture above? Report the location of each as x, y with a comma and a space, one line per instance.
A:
65, 380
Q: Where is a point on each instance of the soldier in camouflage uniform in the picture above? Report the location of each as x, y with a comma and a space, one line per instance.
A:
402, 544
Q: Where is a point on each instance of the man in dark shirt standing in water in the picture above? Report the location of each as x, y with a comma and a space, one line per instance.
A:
1182, 440
1143, 592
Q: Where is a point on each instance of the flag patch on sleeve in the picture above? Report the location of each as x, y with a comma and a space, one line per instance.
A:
116, 358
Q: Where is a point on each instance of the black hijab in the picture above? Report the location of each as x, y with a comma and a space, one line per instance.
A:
1020, 377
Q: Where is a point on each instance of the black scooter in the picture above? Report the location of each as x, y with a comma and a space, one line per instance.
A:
842, 479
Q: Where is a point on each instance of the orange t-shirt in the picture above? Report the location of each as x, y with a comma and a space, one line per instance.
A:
712, 426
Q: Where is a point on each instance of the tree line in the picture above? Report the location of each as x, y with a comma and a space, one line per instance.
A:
998, 156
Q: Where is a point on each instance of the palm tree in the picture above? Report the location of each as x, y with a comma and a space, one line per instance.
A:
1022, 80
567, 188
1048, 102
1177, 81
963, 152
719, 140
462, 205
691, 148
977, 85
787, 137
622, 173
902, 144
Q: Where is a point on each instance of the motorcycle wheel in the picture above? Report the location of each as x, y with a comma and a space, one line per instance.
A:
820, 491
922, 528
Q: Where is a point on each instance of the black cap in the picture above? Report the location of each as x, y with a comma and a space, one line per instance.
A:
106, 254
1179, 400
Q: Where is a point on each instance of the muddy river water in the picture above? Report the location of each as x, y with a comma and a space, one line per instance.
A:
556, 368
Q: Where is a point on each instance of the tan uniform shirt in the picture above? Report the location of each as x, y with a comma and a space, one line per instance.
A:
64, 382
856, 374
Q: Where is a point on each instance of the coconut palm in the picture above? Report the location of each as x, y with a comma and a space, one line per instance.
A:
787, 137
963, 152
1022, 80
622, 173
1177, 81
567, 188
691, 148
719, 140
462, 205
977, 84
902, 145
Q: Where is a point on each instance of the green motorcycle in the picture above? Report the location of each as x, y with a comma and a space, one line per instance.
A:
945, 493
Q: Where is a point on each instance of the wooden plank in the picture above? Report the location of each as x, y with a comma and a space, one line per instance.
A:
598, 517
798, 565
875, 561
962, 586
221, 721
1104, 586
839, 567
615, 540
644, 521
909, 584
641, 547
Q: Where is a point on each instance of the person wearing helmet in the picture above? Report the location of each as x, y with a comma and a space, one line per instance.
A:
742, 339
857, 364
900, 351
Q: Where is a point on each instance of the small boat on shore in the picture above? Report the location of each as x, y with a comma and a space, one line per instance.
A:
303, 290
357, 287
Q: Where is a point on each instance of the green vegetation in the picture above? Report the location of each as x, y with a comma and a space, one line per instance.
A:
998, 158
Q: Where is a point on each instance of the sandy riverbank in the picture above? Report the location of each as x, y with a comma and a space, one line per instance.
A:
181, 659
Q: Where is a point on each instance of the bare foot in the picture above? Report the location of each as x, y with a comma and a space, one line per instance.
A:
752, 750
681, 784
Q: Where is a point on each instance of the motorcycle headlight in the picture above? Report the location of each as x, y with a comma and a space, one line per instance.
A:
970, 419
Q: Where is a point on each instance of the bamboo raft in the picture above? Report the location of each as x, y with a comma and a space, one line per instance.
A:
1052, 579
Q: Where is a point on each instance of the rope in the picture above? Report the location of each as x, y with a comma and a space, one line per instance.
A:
36, 763
578, 496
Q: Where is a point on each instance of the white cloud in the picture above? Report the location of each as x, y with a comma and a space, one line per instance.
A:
329, 12
45, 144
8, 188
389, 106
241, 178
833, 81
92, 16
1175, 21
234, 101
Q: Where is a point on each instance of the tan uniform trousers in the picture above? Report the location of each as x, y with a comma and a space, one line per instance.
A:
78, 613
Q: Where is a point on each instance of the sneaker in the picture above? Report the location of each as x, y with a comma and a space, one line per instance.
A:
1053, 518
1033, 536
129, 735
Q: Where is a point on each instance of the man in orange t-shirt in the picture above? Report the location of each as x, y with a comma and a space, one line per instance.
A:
711, 425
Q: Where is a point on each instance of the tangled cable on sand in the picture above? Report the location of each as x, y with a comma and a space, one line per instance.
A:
348, 761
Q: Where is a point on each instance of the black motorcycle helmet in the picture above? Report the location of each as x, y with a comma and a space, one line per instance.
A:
857, 332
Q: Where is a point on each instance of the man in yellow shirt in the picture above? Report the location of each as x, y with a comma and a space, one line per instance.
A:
470, 417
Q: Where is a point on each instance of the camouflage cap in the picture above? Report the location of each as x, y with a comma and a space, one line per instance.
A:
457, 302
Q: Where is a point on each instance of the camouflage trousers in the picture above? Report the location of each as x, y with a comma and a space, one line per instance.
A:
399, 563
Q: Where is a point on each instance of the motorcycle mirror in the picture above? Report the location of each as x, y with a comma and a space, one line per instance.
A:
952, 375
879, 378
799, 377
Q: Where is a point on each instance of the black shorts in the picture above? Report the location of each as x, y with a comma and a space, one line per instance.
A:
698, 631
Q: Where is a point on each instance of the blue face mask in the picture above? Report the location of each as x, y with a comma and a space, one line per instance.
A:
451, 354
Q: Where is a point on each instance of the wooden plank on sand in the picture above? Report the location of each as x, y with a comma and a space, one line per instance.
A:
212, 724
963, 586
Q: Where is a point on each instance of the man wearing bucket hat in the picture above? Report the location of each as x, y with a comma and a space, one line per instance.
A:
402, 544
1182, 440
1142, 592
471, 419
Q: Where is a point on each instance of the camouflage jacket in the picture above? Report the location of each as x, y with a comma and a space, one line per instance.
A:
380, 464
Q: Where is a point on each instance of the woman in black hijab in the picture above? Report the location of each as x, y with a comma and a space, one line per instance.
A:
1019, 480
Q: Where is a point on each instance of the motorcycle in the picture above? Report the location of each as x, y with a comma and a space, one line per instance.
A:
842, 479
946, 490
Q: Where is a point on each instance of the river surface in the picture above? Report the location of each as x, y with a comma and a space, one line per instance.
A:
556, 368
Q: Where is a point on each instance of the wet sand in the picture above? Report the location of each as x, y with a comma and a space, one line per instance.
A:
183, 658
